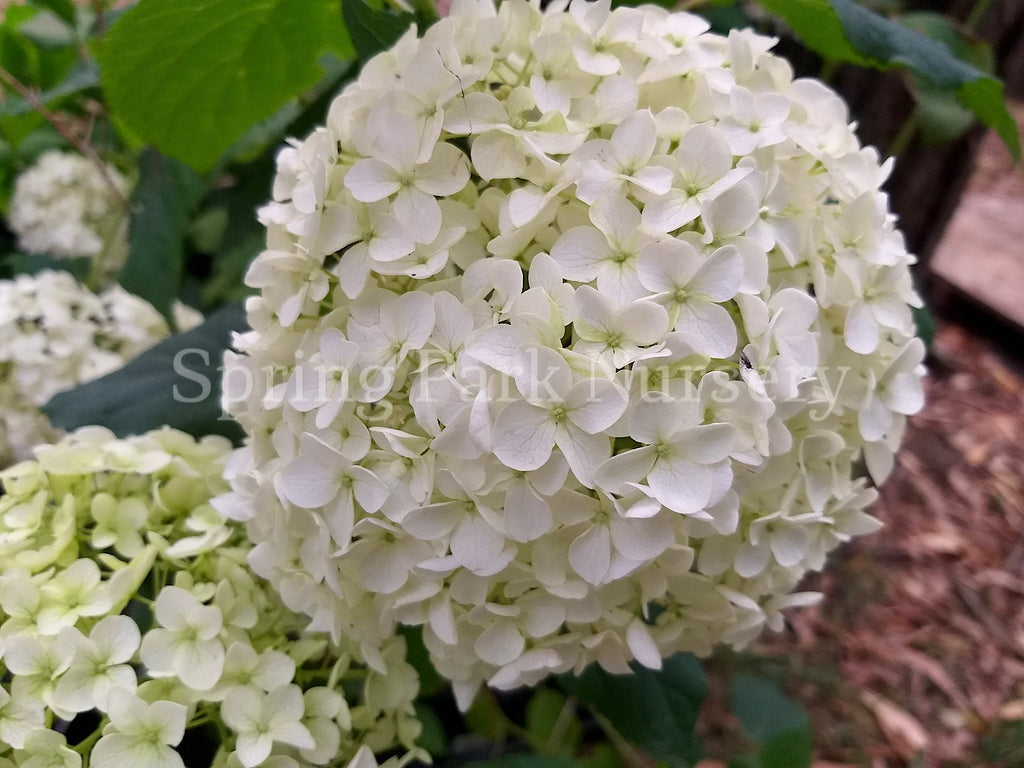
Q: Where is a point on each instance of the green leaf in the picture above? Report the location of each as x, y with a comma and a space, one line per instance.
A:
818, 27
763, 709
789, 749
269, 133
31, 263
176, 383
17, 54
942, 117
207, 229
163, 201
83, 75
525, 760
191, 76
655, 710
726, 15
373, 29
985, 98
865, 38
486, 718
945, 30
601, 755
432, 736
924, 325
770, 717
49, 31
43, 138
63, 9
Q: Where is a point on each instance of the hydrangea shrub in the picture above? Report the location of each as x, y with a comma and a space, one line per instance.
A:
54, 334
583, 334
129, 618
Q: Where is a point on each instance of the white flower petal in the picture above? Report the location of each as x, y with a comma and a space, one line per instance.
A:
420, 214
789, 544
590, 554
307, 483
595, 404
497, 155
371, 180
642, 645
446, 172
710, 327
499, 644
682, 486
579, 251
860, 330
523, 436
584, 452
527, 515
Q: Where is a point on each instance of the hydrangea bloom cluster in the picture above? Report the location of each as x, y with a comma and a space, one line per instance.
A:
63, 206
577, 327
128, 617
55, 334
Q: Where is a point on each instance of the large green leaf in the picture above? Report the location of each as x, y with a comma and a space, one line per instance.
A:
176, 383
655, 710
190, 76
842, 30
162, 203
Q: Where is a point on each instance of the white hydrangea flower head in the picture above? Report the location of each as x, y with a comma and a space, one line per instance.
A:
96, 529
576, 330
55, 334
64, 207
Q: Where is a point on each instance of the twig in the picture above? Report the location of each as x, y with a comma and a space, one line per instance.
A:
97, 8
33, 100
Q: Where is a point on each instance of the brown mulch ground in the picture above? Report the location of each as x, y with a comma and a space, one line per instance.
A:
916, 655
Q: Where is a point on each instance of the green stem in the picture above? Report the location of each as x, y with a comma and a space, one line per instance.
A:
904, 135
631, 756
978, 13
85, 745
561, 726
828, 70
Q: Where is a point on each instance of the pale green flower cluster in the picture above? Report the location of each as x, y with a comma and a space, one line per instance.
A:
565, 313
54, 334
128, 618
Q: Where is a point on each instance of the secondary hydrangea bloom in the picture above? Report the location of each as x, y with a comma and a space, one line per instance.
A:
576, 330
99, 536
54, 334
64, 207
